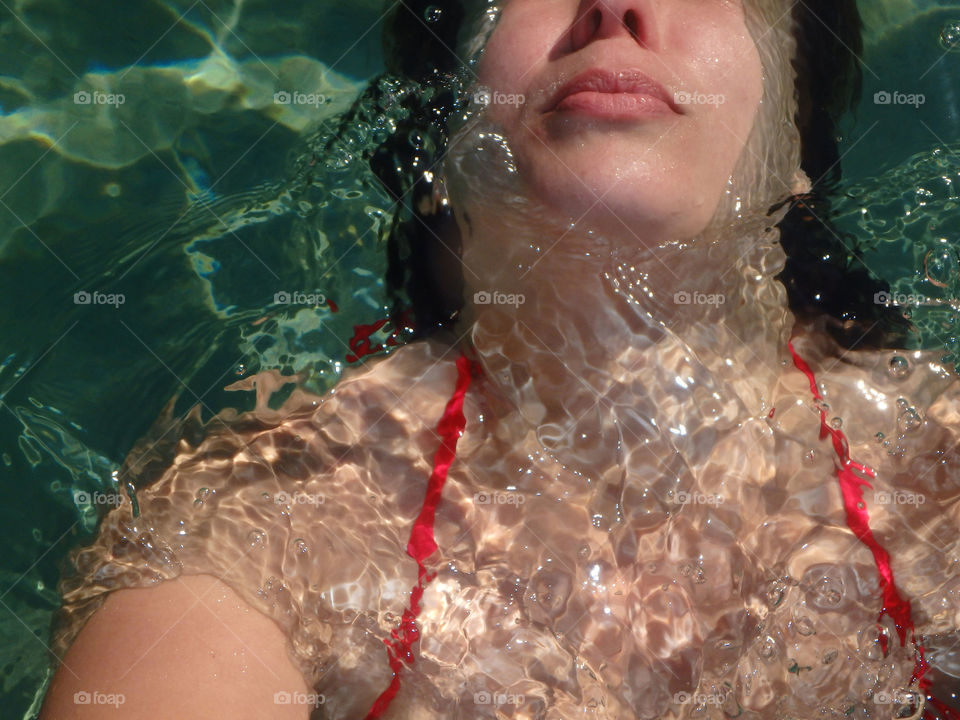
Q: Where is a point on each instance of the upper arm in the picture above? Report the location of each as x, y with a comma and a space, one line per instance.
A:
189, 647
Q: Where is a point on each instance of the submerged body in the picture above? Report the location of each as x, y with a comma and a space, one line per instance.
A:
558, 590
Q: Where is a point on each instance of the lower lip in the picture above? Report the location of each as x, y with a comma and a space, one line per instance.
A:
614, 105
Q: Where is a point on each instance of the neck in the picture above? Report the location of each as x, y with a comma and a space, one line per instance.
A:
562, 317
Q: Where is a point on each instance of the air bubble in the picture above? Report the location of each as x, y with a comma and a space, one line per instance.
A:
256, 538
202, 495
909, 420
836, 423
899, 367
940, 266
828, 593
339, 158
804, 626
950, 35
711, 408
873, 639
775, 593
433, 14
301, 545
810, 456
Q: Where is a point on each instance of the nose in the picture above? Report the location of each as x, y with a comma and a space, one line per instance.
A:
602, 19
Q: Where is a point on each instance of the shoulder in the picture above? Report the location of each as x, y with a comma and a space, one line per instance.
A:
189, 647
411, 384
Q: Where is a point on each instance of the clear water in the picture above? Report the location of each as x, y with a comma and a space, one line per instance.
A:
176, 201
181, 200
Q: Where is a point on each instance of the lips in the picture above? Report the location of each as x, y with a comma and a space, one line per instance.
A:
609, 93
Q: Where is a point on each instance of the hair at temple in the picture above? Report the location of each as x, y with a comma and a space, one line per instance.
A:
825, 282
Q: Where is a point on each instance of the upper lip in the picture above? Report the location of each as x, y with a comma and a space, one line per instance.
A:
609, 81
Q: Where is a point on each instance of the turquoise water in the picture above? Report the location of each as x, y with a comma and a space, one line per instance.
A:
177, 201
184, 211
899, 204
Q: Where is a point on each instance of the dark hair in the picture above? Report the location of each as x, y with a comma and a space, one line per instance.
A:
824, 279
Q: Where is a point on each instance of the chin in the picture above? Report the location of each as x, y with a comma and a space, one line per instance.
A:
652, 210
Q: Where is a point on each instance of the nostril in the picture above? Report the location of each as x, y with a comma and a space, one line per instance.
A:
596, 19
633, 23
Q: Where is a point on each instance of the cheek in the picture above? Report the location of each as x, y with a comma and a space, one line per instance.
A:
513, 53
727, 66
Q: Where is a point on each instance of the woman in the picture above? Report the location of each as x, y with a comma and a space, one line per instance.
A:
602, 485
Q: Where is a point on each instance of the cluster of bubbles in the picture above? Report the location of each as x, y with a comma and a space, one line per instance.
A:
909, 217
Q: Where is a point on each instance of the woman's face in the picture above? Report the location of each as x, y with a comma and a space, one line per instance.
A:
626, 115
